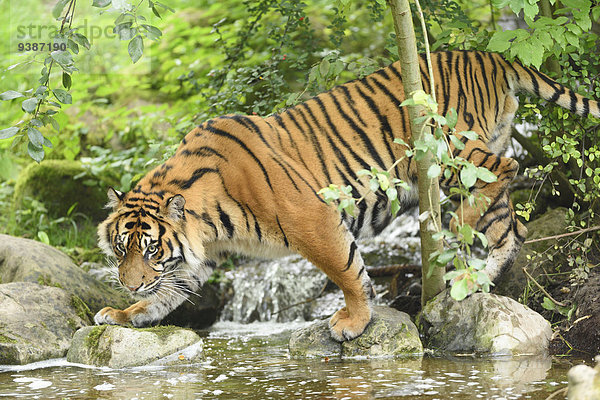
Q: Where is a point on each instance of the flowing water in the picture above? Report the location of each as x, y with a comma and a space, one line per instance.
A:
250, 361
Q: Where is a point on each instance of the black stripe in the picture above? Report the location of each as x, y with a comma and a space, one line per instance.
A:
203, 151
285, 241
362, 269
229, 136
208, 221
350, 256
573, 106
225, 221
197, 174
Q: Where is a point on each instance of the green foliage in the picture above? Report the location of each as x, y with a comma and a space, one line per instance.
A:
41, 104
546, 36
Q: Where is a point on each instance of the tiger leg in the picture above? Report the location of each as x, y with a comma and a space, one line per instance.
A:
494, 217
327, 243
113, 316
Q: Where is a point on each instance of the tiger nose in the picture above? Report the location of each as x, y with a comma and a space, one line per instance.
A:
134, 288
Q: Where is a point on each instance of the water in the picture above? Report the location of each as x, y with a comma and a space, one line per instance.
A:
251, 362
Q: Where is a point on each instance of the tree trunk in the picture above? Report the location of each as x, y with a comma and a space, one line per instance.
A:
429, 191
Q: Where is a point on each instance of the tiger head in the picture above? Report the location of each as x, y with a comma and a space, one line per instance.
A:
144, 233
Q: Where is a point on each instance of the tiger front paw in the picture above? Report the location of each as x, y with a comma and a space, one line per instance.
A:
343, 326
138, 315
111, 316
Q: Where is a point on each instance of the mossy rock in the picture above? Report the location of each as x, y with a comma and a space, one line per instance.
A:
121, 347
59, 184
390, 333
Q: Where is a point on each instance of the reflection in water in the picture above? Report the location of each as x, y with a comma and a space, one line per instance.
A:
239, 364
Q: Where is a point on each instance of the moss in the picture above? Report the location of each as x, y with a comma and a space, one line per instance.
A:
6, 339
161, 331
9, 355
59, 184
81, 309
92, 342
45, 280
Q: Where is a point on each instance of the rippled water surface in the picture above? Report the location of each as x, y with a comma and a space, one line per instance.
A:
251, 362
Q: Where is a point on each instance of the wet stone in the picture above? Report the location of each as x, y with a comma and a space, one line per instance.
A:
391, 333
120, 347
584, 382
485, 324
37, 322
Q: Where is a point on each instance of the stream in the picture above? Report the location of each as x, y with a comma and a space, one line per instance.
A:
251, 361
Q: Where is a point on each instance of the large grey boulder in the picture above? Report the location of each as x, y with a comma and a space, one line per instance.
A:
483, 323
120, 347
25, 260
391, 333
37, 322
584, 382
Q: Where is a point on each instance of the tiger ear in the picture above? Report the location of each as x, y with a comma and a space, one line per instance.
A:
174, 207
114, 198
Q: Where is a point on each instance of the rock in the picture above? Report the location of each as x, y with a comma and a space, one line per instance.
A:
513, 282
59, 184
584, 382
120, 347
483, 323
202, 309
391, 333
25, 260
37, 322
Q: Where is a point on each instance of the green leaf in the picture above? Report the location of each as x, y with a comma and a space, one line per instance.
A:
451, 118
153, 32
43, 236
30, 105
392, 193
470, 134
486, 175
548, 304
66, 80
35, 137
10, 94
125, 31
37, 153
446, 256
101, 3
64, 58
324, 67
467, 233
136, 48
8, 132
59, 7
459, 290
458, 144
530, 10
468, 175
434, 171
500, 42
63, 96
81, 40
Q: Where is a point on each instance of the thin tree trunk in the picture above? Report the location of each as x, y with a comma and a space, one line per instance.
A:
429, 192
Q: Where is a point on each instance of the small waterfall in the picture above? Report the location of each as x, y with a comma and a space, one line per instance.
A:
270, 290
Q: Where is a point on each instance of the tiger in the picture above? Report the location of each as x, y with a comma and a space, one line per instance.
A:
250, 185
